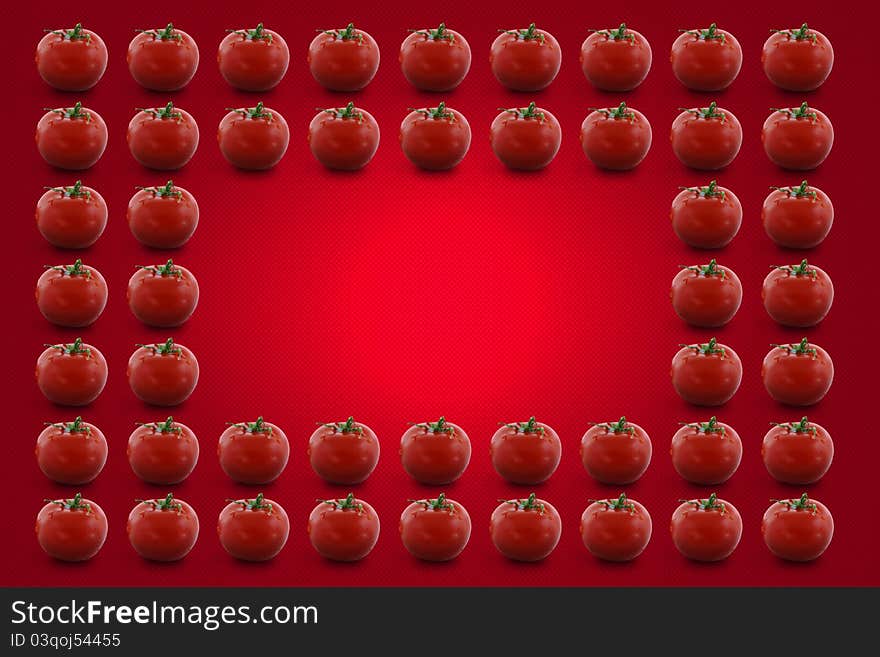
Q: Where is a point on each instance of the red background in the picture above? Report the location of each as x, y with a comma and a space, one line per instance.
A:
482, 294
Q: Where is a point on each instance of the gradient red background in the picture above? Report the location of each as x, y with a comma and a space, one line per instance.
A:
482, 294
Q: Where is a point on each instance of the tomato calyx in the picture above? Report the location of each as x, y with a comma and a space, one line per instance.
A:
712, 426
349, 426
348, 33
803, 426
438, 504
76, 269
801, 269
800, 504
347, 112
256, 504
73, 504
707, 113
620, 426
74, 348
439, 113
709, 191
800, 191
707, 348
525, 112
440, 426
162, 427
528, 504
75, 34
616, 113
524, 427
526, 34
256, 34
165, 34
75, 191
802, 112
440, 34
619, 504
347, 504
165, 504
73, 113
800, 34
616, 35
709, 504
253, 113
258, 426
77, 426
163, 113
802, 347
168, 269
167, 348
167, 190
708, 34
708, 270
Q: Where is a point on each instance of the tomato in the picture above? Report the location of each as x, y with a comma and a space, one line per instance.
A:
163, 59
253, 530
163, 374
706, 295
526, 59
435, 529
71, 60
163, 453
253, 60
71, 453
71, 530
706, 60
706, 530
525, 530
162, 217
798, 59
71, 295
435, 138
163, 295
71, 137
525, 452
616, 529
253, 138
71, 217
253, 452
163, 138
435, 60
343, 530
343, 60
71, 374
797, 217
616, 138
797, 453
706, 374
706, 217
797, 530
797, 374
615, 59
344, 452
706, 453
798, 138
162, 529
616, 452
435, 453
797, 295
706, 138
344, 138
525, 138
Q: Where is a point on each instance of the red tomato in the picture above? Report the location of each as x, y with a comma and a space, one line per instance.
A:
253, 60
797, 295
253, 138
162, 529
253, 452
706, 295
163, 295
706, 60
798, 59
344, 138
71, 530
525, 138
706, 374
797, 217
343, 530
616, 59
706, 453
797, 530
71, 217
525, 452
706, 530
435, 529
797, 374
616, 138
616, 452
162, 217
435, 138
163, 59
163, 374
71, 295
435, 60
706, 138
343, 60
163, 453
163, 138
71, 374
525, 530
525, 60
253, 530
435, 453
798, 138
71, 137
616, 530
71, 60
797, 453
706, 217
344, 452
71, 453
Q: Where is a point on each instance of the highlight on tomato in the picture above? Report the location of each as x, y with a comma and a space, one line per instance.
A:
797, 217
164, 59
343, 529
343, 452
253, 59
525, 529
797, 453
616, 529
344, 138
526, 59
71, 374
71, 529
162, 453
162, 138
72, 295
797, 529
616, 59
707, 59
162, 217
162, 295
797, 138
72, 138
707, 217
253, 529
706, 138
71, 217
163, 374
797, 374
797, 295
435, 59
253, 452
799, 59
344, 59
163, 529
616, 138
435, 529
706, 295
71, 59
706, 529
71, 453
525, 452
706, 453
435, 453
525, 138
435, 138
253, 138
615, 453
706, 374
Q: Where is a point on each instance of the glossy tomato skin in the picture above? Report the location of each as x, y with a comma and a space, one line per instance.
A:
71, 375
344, 139
71, 453
165, 59
253, 60
706, 217
706, 60
71, 217
435, 60
525, 60
706, 296
706, 378
253, 139
343, 530
253, 452
71, 60
706, 453
525, 530
526, 452
163, 295
163, 374
435, 139
253, 530
616, 452
525, 139
164, 138
797, 530
71, 138
435, 530
343, 452
706, 142
163, 530
798, 139
616, 139
71, 295
71, 530
435, 453
162, 217
706, 534
343, 60
797, 375
615, 60
616, 530
797, 453
797, 217
797, 60
163, 453
800, 295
